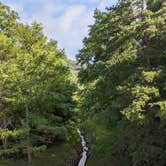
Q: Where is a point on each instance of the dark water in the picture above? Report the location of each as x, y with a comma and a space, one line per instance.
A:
84, 148
54, 156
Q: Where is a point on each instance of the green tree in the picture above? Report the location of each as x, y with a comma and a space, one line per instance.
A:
36, 88
122, 70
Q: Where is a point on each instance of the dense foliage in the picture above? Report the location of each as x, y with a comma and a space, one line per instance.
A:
36, 88
123, 71
122, 95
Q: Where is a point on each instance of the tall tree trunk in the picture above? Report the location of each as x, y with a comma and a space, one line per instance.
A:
5, 138
29, 157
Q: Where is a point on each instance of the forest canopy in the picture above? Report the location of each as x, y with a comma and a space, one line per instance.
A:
115, 92
36, 88
123, 71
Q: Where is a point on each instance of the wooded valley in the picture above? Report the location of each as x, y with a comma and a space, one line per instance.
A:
115, 92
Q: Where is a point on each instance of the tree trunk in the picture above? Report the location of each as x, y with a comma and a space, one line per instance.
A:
29, 157
4, 141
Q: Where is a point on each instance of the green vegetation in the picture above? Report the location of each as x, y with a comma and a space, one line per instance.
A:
55, 155
123, 71
121, 100
36, 88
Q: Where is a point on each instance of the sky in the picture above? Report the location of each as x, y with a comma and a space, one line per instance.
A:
63, 20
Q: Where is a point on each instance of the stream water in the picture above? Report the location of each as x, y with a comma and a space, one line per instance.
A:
84, 150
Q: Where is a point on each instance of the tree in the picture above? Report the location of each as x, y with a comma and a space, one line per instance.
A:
122, 65
35, 86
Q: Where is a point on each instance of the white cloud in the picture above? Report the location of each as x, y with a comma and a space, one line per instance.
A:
66, 20
71, 27
106, 3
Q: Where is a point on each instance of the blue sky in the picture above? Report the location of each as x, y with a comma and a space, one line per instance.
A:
63, 20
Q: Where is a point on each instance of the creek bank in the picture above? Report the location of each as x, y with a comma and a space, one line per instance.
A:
56, 155
79, 156
83, 159
74, 158
59, 155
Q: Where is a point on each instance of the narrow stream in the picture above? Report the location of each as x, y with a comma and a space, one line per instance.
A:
84, 149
